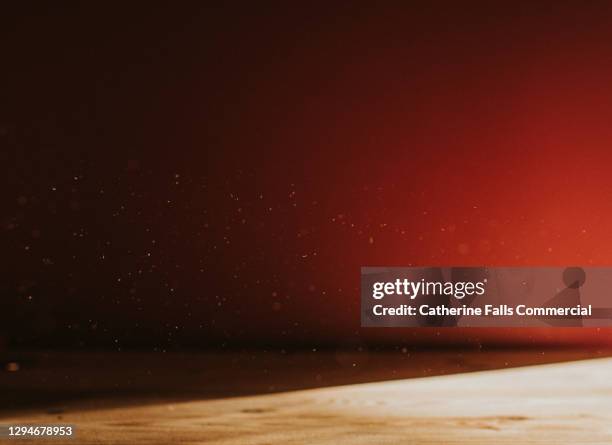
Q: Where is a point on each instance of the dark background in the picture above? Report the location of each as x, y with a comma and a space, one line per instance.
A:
214, 175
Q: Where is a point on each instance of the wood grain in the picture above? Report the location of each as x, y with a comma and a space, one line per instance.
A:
544, 404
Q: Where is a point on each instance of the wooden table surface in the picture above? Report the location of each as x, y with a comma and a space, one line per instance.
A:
356, 397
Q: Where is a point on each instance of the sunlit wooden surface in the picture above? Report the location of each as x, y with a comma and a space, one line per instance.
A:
563, 403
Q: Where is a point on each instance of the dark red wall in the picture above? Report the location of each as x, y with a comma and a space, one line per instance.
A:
215, 175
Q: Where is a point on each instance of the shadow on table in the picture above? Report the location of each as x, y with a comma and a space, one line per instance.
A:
57, 381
